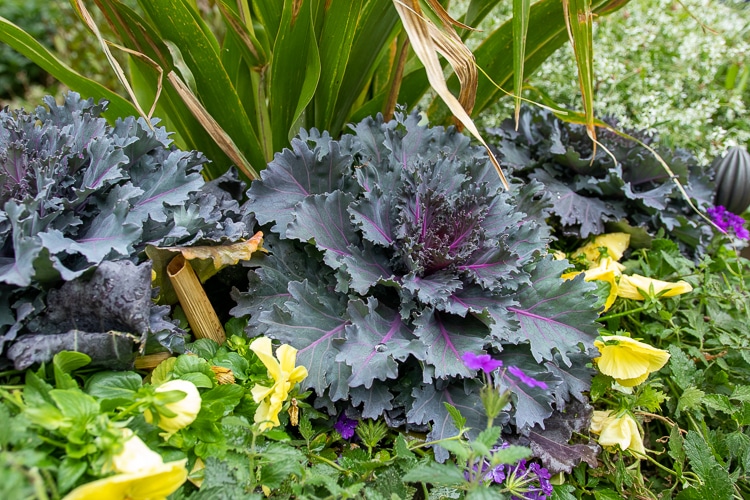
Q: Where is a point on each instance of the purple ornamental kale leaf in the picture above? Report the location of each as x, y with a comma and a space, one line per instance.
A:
377, 339
429, 408
294, 175
576, 210
533, 402
447, 338
325, 219
313, 322
376, 399
555, 315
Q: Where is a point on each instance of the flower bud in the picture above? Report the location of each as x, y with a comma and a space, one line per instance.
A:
135, 455
186, 409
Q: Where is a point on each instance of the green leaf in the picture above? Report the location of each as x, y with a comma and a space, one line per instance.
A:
64, 363
459, 449
690, 399
279, 462
521, 10
683, 369
340, 25
27, 45
75, 404
716, 481
228, 395
436, 474
486, 439
163, 371
69, 472
720, 402
458, 420
510, 455
579, 19
117, 387
295, 71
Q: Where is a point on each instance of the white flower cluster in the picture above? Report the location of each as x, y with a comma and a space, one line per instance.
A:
659, 66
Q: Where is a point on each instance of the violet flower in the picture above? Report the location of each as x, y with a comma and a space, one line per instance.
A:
728, 221
522, 480
482, 362
530, 381
345, 426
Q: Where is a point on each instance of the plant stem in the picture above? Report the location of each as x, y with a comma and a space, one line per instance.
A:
621, 314
329, 462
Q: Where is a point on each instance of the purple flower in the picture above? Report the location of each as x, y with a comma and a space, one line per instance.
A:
482, 362
520, 375
728, 221
345, 426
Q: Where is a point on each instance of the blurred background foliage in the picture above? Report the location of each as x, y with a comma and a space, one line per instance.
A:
676, 67
55, 24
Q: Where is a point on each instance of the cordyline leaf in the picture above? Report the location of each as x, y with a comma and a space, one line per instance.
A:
376, 339
314, 323
212, 127
206, 261
579, 21
555, 315
426, 40
521, 11
27, 45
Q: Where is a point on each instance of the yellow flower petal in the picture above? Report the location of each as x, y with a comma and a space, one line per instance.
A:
629, 286
609, 271
628, 361
263, 349
135, 455
150, 484
617, 431
615, 244
285, 375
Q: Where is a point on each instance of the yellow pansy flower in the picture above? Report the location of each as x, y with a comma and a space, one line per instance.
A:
608, 270
135, 455
615, 243
186, 409
617, 430
629, 286
282, 370
142, 475
628, 361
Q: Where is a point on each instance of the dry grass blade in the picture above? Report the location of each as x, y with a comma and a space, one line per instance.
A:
212, 126
427, 40
85, 15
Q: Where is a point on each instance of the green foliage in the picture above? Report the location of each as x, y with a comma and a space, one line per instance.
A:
679, 69
694, 411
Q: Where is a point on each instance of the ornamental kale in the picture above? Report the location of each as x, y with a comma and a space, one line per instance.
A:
592, 197
394, 252
76, 192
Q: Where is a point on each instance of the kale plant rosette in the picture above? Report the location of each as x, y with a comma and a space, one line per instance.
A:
394, 251
79, 202
623, 187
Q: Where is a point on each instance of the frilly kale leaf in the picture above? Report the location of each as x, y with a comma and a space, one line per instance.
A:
76, 192
594, 194
394, 252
